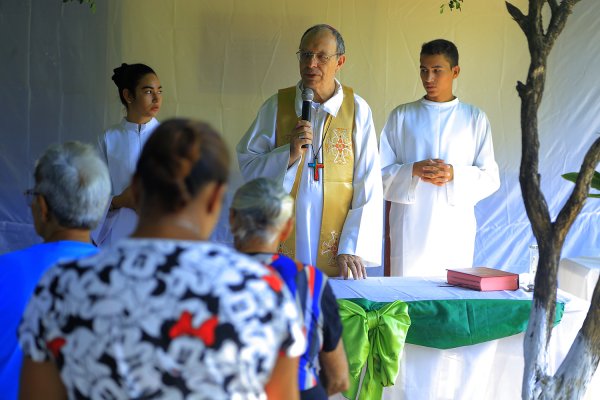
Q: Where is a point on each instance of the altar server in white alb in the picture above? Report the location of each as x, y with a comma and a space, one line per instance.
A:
140, 92
437, 162
335, 179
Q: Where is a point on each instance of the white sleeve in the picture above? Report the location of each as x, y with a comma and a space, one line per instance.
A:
364, 223
476, 182
398, 183
103, 229
102, 148
256, 151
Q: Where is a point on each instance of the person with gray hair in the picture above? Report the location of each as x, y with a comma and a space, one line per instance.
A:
71, 192
326, 158
73, 182
261, 208
261, 217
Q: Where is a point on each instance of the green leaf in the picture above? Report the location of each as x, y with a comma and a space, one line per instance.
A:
596, 180
452, 5
572, 177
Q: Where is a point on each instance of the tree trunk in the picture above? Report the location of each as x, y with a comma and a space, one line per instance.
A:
574, 374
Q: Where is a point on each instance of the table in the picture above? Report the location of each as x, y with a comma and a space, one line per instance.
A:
579, 275
488, 370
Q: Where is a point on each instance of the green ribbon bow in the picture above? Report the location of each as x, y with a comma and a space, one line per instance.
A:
374, 334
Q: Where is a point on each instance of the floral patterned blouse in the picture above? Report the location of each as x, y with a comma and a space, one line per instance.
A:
162, 319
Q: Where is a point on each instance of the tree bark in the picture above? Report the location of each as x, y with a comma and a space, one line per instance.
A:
577, 369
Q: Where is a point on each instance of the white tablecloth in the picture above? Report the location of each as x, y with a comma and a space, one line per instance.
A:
491, 370
387, 289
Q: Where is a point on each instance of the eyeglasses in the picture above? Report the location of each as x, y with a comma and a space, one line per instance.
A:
307, 56
30, 194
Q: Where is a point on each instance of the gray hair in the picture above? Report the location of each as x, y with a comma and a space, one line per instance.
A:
340, 47
75, 183
261, 207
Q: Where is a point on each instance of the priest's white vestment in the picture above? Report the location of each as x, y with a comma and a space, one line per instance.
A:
259, 157
120, 147
433, 227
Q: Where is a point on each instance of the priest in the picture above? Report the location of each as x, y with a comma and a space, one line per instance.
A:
437, 162
329, 162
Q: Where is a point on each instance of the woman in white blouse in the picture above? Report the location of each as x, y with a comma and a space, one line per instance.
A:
141, 94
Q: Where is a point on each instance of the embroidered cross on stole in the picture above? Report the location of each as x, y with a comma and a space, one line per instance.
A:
337, 173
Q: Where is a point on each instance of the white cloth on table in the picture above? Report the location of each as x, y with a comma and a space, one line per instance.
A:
433, 227
388, 289
491, 370
120, 147
258, 157
579, 275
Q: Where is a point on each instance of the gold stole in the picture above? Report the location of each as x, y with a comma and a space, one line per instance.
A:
337, 174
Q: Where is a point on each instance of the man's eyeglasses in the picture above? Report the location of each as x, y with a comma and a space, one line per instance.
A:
307, 56
30, 194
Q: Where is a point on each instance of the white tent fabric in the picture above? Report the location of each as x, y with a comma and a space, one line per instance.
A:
219, 60
50, 58
569, 122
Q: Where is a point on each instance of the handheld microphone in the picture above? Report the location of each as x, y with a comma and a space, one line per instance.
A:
307, 97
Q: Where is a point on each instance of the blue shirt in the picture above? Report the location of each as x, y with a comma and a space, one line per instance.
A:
20, 272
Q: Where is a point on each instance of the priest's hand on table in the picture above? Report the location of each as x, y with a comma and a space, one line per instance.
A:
354, 264
301, 135
434, 171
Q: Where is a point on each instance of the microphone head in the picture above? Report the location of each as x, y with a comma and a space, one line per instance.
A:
308, 94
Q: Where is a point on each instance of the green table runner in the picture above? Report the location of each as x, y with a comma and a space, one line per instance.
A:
444, 324
374, 333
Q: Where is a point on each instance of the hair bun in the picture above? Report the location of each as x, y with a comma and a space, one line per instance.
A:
118, 74
181, 157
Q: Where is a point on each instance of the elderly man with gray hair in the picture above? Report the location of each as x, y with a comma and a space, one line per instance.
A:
261, 217
71, 192
317, 140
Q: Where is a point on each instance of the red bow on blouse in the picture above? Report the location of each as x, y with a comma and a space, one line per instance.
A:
205, 332
55, 345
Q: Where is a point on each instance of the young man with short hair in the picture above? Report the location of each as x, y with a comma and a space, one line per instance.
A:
437, 161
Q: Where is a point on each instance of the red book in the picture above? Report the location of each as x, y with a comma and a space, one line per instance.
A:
483, 279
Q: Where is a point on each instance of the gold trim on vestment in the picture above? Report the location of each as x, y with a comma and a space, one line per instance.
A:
338, 172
